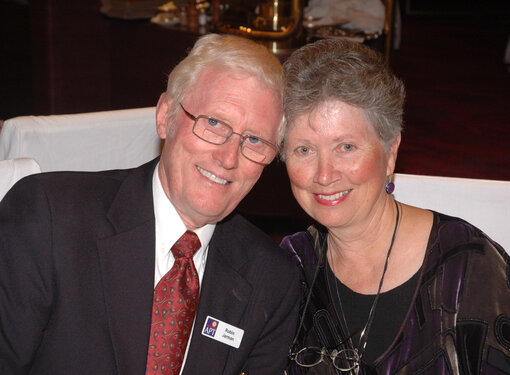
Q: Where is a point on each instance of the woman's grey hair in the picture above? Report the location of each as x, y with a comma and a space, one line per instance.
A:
347, 71
226, 52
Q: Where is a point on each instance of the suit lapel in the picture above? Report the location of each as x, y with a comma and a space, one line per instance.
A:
224, 296
127, 269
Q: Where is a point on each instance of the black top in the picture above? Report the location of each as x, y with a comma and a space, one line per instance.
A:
389, 314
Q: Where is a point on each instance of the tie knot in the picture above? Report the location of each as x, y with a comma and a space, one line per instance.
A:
186, 246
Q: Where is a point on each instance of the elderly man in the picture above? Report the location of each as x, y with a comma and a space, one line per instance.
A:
147, 270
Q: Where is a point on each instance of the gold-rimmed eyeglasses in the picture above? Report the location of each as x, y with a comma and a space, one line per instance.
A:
217, 132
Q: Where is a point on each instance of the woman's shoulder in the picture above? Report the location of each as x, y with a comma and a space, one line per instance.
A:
451, 227
453, 234
439, 228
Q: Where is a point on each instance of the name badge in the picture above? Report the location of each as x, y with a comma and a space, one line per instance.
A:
222, 332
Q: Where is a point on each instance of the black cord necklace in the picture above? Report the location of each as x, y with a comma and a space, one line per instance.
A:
359, 351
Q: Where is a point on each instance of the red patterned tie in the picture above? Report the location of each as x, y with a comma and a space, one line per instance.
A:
173, 310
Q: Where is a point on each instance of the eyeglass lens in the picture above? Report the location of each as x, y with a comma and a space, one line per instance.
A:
347, 360
217, 132
309, 357
343, 360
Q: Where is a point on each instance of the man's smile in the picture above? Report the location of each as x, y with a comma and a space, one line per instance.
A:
212, 177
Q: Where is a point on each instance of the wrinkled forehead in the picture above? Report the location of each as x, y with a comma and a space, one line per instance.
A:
240, 90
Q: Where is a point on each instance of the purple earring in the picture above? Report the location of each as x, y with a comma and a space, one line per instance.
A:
390, 186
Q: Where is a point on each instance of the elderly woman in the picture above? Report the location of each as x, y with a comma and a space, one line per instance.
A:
390, 288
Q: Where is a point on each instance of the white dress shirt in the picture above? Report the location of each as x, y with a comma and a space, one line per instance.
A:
169, 227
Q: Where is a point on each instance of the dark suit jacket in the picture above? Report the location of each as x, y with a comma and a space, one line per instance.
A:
77, 278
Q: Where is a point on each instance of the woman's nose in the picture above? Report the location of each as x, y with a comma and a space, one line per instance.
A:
327, 171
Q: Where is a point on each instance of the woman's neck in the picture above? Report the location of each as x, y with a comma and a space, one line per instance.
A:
357, 253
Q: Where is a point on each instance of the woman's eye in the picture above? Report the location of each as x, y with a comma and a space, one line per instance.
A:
347, 147
303, 150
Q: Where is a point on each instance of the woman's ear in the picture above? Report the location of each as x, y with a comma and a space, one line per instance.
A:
162, 111
392, 155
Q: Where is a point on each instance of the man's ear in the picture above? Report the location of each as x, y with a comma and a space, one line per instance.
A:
162, 111
392, 155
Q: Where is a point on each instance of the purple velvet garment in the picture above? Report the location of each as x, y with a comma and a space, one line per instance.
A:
458, 321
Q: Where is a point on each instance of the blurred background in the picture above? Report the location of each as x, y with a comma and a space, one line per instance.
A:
72, 56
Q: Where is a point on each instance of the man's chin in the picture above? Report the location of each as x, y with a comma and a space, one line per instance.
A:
205, 217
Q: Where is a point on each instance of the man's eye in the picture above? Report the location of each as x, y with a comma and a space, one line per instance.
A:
347, 147
213, 122
253, 140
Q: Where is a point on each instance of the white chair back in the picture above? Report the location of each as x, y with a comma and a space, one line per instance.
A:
13, 170
483, 203
85, 141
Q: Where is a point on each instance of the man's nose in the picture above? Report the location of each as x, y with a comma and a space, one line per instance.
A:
228, 153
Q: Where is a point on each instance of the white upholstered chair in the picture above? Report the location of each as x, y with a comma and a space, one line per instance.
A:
484, 203
128, 138
13, 170
85, 141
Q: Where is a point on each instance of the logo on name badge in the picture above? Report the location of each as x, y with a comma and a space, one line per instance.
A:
210, 327
223, 332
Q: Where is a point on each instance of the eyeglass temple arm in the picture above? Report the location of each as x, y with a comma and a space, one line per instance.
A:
188, 114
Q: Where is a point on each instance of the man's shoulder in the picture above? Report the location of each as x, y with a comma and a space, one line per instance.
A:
75, 177
80, 187
62, 183
249, 241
